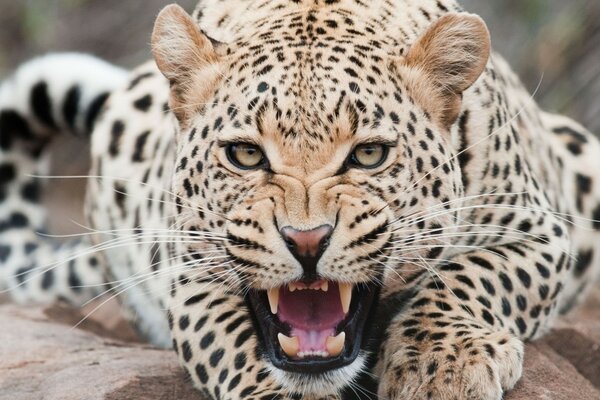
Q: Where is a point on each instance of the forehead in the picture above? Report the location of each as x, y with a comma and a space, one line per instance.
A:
310, 80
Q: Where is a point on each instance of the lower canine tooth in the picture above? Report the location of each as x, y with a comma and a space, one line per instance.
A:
335, 344
273, 295
290, 345
346, 296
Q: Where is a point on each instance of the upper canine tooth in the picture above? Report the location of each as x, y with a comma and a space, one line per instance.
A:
292, 287
335, 344
325, 286
289, 345
345, 296
273, 295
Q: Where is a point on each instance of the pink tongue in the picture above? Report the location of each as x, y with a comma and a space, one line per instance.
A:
312, 341
312, 315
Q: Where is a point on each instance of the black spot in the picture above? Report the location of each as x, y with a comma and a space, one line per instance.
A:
543, 271
521, 325
483, 263
234, 382
233, 325
12, 126
584, 260
31, 191
201, 322
7, 172
466, 280
225, 316
263, 87
143, 103
216, 357
574, 148
70, 105
487, 317
596, 217
186, 351
535, 311
195, 299
4, 252
432, 368
94, 110
521, 302
461, 294
73, 279
354, 87
184, 322
525, 226
47, 279
544, 290
207, 340
524, 277
135, 81
41, 104
243, 337
201, 373
487, 285
265, 70
506, 282
240, 360
116, 132
450, 266
140, 143
223, 375
247, 391
351, 72
506, 308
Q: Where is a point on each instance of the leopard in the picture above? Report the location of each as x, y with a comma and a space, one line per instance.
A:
309, 199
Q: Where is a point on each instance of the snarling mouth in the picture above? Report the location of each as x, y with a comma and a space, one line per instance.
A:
313, 327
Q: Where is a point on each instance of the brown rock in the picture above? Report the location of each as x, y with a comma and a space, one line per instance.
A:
42, 356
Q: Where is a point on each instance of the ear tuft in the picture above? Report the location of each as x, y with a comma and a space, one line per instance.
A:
452, 54
185, 56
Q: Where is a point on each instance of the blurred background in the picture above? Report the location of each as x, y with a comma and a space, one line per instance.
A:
556, 39
551, 43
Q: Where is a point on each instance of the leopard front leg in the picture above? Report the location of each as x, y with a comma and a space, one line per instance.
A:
217, 345
460, 337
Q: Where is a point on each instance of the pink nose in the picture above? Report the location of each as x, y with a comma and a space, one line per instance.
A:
307, 246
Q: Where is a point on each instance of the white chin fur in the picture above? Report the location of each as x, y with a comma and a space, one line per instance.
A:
325, 384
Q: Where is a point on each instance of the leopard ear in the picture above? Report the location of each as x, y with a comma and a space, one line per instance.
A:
447, 60
187, 58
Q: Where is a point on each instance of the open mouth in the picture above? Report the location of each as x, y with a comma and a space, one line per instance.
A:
313, 327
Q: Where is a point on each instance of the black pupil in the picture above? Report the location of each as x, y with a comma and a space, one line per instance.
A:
369, 150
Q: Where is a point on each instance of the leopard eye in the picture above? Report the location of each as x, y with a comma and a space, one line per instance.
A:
245, 156
369, 156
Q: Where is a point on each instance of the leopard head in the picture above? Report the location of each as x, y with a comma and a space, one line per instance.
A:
326, 160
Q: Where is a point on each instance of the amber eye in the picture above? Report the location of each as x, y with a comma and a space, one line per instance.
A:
245, 156
369, 156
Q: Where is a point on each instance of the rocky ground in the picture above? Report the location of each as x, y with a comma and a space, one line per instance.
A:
44, 357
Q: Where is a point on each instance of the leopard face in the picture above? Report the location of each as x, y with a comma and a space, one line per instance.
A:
324, 162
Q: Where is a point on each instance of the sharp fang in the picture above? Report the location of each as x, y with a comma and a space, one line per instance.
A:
292, 287
345, 296
273, 295
290, 345
325, 286
335, 344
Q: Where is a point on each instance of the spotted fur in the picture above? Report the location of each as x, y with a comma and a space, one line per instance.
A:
479, 230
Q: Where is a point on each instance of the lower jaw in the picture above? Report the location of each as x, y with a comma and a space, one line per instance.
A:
312, 367
323, 384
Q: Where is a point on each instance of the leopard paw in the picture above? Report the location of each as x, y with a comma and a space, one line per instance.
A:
475, 368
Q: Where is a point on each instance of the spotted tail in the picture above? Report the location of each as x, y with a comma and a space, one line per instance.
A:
45, 97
